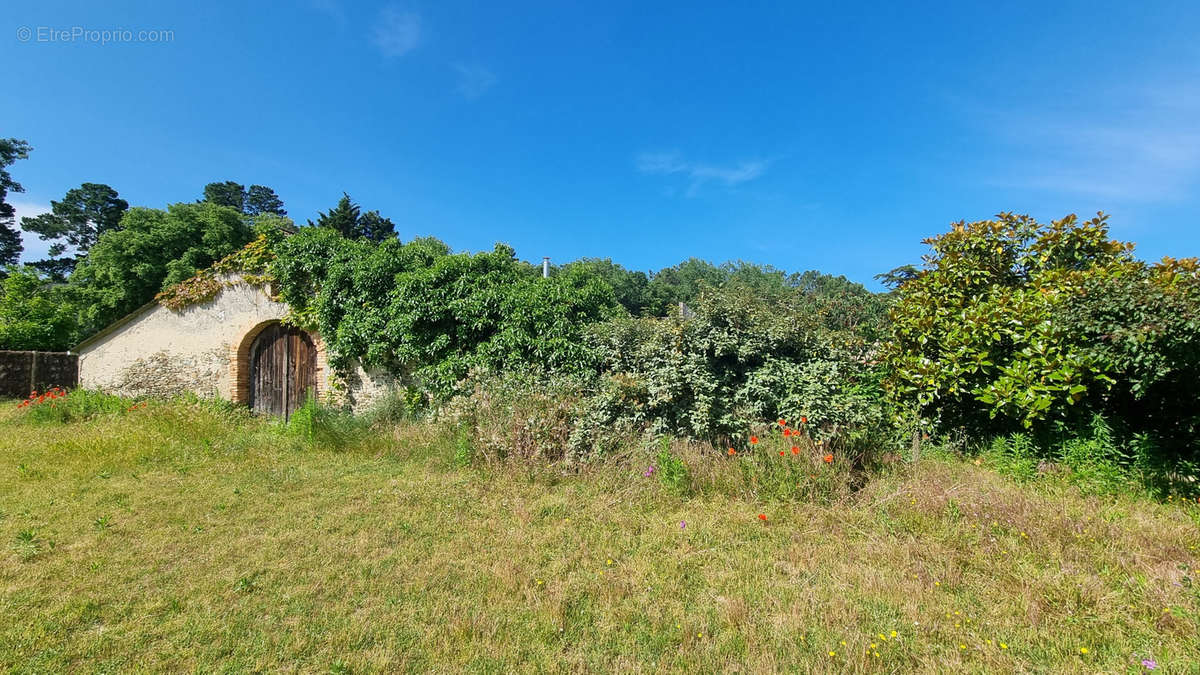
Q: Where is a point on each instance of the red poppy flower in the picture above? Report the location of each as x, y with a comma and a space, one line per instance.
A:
732, 452
754, 440
787, 432
781, 453
795, 450
762, 517
803, 419
829, 459
782, 422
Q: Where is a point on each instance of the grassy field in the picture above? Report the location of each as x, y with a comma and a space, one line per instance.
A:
184, 537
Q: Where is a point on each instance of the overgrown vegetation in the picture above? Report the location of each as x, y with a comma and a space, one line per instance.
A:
1054, 331
1013, 334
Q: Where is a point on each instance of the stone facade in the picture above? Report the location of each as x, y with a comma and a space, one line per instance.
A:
205, 349
24, 372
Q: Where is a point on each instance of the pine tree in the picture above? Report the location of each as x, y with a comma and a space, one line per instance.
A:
11, 149
261, 199
343, 217
85, 213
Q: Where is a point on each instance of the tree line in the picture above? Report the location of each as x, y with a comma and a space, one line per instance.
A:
1052, 334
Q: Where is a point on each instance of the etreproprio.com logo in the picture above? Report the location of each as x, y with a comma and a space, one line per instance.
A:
102, 36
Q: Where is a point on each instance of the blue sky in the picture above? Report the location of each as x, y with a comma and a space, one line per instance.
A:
832, 136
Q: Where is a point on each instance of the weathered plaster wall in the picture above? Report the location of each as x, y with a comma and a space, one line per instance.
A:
164, 352
203, 349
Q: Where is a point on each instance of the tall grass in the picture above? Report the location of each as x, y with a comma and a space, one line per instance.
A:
190, 535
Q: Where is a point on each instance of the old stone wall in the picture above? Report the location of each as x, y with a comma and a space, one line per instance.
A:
360, 388
24, 372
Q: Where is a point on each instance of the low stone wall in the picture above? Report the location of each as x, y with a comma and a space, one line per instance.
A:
25, 372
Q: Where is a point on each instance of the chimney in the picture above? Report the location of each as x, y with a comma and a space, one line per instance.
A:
546, 267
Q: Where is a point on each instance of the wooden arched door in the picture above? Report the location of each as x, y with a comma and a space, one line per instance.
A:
283, 370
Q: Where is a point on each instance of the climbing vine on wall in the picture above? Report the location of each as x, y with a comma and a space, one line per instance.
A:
251, 264
430, 316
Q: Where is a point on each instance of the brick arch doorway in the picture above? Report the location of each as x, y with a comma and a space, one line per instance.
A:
277, 368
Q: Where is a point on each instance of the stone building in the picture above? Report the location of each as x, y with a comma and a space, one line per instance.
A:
232, 346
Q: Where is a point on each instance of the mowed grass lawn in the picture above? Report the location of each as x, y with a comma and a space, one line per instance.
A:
178, 537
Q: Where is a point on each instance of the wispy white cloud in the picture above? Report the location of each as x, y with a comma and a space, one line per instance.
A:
473, 80
698, 173
396, 32
1146, 148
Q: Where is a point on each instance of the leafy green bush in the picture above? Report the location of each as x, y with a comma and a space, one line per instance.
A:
1015, 455
432, 317
34, 314
1014, 324
464, 449
741, 360
152, 250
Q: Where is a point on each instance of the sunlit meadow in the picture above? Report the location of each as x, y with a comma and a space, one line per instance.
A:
191, 536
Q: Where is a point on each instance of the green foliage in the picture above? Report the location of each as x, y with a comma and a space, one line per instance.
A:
227, 193
630, 288
346, 219
464, 448
262, 200
740, 361
514, 415
76, 222
251, 264
396, 407
1141, 325
1013, 324
671, 470
1095, 459
199, 289
11, 149
152, 250
429, 316
34, 314
1015, 455
27, 544
682, 283
841, 303
255, 201
979, 324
